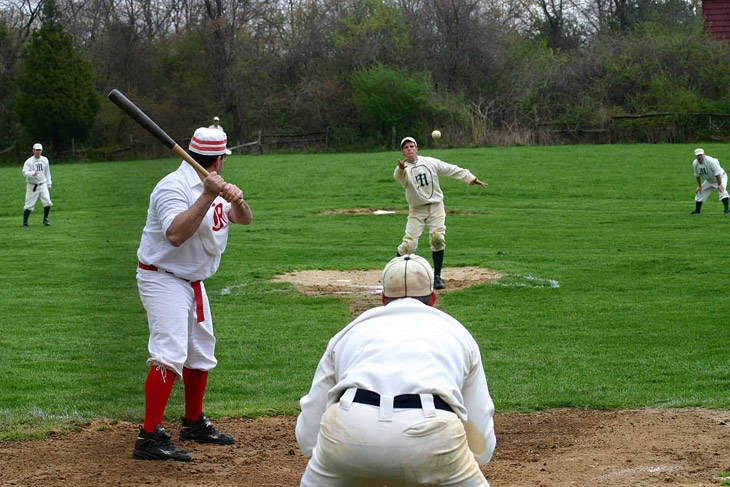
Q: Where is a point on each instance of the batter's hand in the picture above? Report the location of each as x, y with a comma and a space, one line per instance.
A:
721, 188
231, 193
213, 184
699, 189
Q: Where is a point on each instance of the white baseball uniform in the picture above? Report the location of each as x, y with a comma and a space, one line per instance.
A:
214, 126
37, 184
178, 312
709, 170
426, 200
405, 347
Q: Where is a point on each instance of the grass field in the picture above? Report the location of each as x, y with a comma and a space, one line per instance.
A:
640, 317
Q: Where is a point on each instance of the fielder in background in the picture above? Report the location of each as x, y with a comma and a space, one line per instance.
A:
708, 168
37, 174
216, 124
420, 177
400, 397
182, 243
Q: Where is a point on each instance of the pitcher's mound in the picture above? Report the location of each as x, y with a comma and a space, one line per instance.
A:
361, 282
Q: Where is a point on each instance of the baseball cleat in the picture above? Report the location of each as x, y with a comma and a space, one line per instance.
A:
727, 211
438, 283
202, 431
157, 446
46, 222
25, 224
695, 213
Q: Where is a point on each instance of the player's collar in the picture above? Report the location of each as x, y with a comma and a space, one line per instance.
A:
191, 176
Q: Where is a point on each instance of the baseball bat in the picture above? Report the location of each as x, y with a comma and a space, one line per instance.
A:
128, 107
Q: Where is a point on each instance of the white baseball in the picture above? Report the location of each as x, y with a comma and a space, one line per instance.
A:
436, 135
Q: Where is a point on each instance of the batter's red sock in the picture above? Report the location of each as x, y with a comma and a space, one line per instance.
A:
157, 391
195, 381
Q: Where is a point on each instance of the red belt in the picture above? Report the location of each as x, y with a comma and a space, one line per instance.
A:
197, 290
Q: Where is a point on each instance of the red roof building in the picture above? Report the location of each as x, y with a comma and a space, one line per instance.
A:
717, 18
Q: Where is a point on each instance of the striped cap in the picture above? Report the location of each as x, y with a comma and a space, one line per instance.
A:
407, 276
209, 142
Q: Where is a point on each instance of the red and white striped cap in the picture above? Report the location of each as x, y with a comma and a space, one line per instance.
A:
209, 142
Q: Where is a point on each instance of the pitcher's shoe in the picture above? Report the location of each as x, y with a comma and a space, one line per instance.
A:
157, 446
46, 222
438, 283
202, 431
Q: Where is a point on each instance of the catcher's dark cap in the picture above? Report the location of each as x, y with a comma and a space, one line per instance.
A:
407, 276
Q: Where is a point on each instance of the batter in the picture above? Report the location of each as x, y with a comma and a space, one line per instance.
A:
182, 242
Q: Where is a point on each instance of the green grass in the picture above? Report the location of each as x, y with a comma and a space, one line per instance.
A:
640, 317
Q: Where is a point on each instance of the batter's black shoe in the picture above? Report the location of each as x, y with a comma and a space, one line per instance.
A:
202, 431
695, 212
438, 283
25, 224
157, 446
46, 222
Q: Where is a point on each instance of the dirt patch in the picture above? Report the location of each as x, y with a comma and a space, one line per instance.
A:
646, 447
387, 211
363, 287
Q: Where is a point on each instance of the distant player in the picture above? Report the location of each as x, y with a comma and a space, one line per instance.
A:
420, 177
715, 177
216, 124
37, 174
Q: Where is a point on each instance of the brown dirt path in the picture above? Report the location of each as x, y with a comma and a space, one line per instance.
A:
646, 447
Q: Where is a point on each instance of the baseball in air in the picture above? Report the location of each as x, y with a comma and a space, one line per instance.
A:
436, 135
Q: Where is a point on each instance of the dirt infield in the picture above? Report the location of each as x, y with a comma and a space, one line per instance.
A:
647, 447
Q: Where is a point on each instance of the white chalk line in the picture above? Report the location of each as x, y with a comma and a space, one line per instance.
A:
541, 282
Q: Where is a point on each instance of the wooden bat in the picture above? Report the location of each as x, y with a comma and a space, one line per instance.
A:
150, 126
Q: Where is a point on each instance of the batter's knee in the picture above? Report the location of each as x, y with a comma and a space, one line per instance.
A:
438, 241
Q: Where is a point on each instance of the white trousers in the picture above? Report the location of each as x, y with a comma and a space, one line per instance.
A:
707, 188
433, 215
356, 449
31, 197
176, 340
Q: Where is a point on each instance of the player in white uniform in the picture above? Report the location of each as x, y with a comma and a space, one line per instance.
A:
399, 397
37, 174
182, 243
420, 177
216, 124
715, 177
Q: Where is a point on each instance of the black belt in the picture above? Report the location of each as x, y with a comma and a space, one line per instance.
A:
403, 401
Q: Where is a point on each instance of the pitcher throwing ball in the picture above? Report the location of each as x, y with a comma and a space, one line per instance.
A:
420, 177
708, 168
182, 243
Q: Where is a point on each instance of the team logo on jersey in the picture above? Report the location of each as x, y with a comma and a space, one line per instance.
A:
219, 217
39, 167
423, 179
702, 170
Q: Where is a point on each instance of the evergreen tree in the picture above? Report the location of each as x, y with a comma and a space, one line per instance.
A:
57, 100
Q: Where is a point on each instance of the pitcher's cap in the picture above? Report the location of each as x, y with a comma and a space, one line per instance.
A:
407, 276
699, 151
216, 119
37, 146
209, 142
408, 139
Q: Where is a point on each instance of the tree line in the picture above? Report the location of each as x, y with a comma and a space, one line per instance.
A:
484, 71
